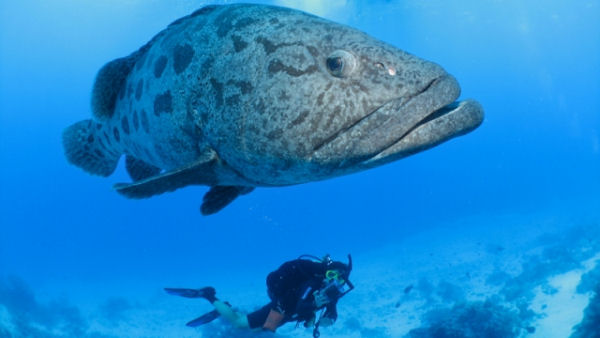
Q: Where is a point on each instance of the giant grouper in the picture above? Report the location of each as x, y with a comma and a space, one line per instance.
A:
242, 96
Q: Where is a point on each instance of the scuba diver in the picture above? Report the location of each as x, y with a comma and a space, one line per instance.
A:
298, 289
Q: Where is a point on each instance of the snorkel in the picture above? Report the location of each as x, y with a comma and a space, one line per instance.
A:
350, 285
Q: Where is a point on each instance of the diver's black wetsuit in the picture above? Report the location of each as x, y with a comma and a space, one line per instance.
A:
291, 290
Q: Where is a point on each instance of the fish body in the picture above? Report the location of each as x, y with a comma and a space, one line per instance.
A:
243, 96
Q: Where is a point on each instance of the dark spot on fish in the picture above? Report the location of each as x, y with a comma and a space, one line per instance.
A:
275, 134
268, 45
182, 57
139, 89
122, 93
98, 153
313, 51
136, 120
204, 10
233, 100
204, 117
145, 124
225, 22
98, 126
274, 21
159, 66
252, 129
90, 138
141, 60
205, 68
244, 86
238, 43
101, 143
116, 133
363, 89
320, 99
260, 107
163, 103
125, 125
107, 138
298, 120
276, 66
336, 112
129, 90
283, 96
218, 88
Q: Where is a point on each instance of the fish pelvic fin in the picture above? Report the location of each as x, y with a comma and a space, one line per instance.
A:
218, 197
84, 148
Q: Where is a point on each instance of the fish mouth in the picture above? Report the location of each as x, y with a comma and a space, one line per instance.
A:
404, 126
452, 120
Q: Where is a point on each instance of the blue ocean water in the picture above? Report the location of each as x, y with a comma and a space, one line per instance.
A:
512, 206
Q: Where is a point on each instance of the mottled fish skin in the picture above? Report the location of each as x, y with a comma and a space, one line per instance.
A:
251, 86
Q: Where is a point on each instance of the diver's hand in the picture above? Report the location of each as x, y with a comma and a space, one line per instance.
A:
326, 321
321, 298
310, 322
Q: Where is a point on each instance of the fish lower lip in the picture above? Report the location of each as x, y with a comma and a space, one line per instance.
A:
436, 114
452, 120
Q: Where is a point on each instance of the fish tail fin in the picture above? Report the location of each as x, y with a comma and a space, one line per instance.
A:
84, 148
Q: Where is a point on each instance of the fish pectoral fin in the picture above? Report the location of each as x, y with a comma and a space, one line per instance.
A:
198, 173
220, 196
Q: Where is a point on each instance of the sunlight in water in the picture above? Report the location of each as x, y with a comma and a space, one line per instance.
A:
318, 7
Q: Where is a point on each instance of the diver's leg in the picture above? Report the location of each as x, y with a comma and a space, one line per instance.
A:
237, 319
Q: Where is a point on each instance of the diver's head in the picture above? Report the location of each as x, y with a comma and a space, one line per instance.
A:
342, 270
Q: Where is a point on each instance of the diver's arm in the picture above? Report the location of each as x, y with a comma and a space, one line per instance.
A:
305, 307
330, 315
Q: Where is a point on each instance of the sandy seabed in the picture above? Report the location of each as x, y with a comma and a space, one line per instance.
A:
529, 274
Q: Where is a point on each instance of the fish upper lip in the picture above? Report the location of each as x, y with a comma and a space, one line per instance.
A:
401, 101
387, 124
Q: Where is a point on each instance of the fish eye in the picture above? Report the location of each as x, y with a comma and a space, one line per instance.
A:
341, 63
335, 64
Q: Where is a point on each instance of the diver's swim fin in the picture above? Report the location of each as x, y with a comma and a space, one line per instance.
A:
207, 292
205, 318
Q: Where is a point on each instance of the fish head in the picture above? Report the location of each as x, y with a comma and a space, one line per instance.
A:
329, 100
388, 104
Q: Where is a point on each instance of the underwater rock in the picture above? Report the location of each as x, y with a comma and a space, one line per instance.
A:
589, 280
28, 318
470, 320
589, 327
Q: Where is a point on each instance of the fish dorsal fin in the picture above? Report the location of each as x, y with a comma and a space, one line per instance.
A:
197, 173
138, 169
218, 197
109, 82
